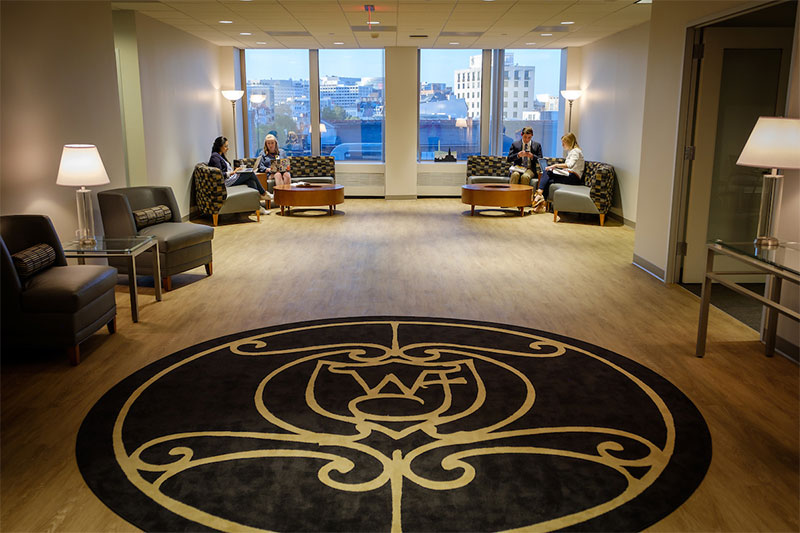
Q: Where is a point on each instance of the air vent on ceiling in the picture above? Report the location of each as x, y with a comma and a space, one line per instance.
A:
374, 28
550, 29
418, 36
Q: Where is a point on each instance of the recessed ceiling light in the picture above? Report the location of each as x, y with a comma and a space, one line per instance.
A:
373, 22
568, 22
245, 33
225, 22
338, 42
530, 44
455, 43
547, 35
643, 2
261, 42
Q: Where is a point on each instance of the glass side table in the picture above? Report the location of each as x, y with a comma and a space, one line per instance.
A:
128, 247
779, 263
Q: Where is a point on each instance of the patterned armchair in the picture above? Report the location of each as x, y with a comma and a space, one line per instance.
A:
594, 196
490, 169
308, 168
214, 198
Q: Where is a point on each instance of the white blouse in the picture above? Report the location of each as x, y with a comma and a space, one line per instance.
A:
574, 161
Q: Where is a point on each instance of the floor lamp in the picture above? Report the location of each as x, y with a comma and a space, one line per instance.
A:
774, 143
233, 96
81, 166
571, 96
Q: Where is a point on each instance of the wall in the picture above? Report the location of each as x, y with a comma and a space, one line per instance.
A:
181, 103
613, 77
58, 86
400, 137
669, 20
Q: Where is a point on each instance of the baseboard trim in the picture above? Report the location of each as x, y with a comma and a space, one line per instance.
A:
649, 267
620, 218
401, 197
787, 349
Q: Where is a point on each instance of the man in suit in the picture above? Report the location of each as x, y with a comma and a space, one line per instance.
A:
524, 153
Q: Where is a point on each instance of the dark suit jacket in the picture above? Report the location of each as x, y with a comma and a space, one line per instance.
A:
516, 148
218, 161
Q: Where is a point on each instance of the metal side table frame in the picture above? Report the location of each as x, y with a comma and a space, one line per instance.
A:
128, 247
771, 261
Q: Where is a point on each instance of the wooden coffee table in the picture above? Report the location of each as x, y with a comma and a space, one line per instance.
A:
497, 195
311, 194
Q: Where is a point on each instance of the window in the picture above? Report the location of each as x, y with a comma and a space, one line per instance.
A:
351, 104
543, 68
448, 123
277, 99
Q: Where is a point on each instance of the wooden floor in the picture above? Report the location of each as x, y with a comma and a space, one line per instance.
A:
428, 258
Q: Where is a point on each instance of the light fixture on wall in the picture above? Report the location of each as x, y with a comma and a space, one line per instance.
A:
571, 96
81, 166
258, 98
233, 95
774, 143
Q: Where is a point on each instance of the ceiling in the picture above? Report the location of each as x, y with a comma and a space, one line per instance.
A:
316, 24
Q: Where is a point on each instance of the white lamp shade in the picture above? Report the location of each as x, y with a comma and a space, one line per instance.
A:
258, 98
773, 143
81, 166
572, 94
232, 95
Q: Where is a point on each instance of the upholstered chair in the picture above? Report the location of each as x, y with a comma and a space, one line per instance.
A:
491, 169
311, 169
45, 301
153, 211
214, 198
594, 196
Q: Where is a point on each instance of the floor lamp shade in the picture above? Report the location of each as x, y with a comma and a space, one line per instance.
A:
774, 143
233, 95
82, 166
570, 96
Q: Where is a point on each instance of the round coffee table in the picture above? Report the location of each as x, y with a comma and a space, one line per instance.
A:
497, 195
310, 194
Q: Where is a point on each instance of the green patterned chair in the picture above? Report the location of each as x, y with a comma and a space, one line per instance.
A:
594, 196
490, 169
213, 198
308, 168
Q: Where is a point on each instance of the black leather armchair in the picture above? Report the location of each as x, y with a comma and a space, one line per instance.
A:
182, 246
61, 305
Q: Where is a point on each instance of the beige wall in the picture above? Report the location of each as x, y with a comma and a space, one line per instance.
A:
181, 103
59, 86
613, 79
572, 77
402, 101
668, 23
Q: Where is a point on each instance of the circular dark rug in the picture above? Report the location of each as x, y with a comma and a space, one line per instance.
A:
394, 423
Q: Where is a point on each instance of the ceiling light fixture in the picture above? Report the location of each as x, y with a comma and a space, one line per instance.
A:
547, 35
225, 21
371, 22
261, 42
245, 33
567, 22
338, 42
455, 43
530, 44
643, 2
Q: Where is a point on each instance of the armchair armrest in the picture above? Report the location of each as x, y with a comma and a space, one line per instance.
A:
210, 190
601, 187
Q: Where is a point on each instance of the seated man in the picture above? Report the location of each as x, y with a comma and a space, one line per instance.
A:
524, 153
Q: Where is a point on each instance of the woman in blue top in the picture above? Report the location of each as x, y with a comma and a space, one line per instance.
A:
218, 160
270, 155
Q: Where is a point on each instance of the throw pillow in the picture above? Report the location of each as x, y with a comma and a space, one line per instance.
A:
34, 259
151, 216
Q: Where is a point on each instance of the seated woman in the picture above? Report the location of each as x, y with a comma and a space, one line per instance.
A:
231, 175
573, 165
270, 155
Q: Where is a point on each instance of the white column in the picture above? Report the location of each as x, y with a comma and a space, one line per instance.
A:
401, 133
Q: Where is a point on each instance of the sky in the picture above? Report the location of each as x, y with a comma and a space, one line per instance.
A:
285, 64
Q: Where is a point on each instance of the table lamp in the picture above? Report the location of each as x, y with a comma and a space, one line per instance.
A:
233, 95
774, 143
81, 166
571, 96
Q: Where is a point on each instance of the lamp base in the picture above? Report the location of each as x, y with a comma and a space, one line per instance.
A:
85, 231
766, 242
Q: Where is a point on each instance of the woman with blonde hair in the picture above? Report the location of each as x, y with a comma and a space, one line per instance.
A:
569, 172
269, 160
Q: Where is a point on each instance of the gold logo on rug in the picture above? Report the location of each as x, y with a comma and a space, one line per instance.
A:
396, 406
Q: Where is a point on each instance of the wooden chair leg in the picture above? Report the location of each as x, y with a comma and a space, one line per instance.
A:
210, 268
215, 218
112, 326
167, 284
602, 219
74, 353
555, 215
258, 216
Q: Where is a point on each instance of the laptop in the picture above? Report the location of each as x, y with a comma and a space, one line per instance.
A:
542, 163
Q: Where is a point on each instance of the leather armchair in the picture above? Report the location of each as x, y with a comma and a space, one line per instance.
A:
61, 305
182, 246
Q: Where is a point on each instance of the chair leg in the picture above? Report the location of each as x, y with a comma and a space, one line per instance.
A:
215, 218
258, 215
167, 284
74, 353
112, 326
555, 215
210, 268
602, 219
